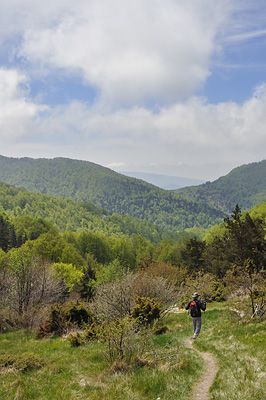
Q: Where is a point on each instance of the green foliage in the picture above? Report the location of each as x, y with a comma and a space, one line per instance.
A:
76, 339
51, 246
159, 330
87, 282
244, 185
124, 339
192, 255
243, 239
72, 313
146, 310
69, 215
84, 181
69, 273
109, 272
7, 233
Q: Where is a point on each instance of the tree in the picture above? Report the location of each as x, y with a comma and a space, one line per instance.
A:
32, 285
249, 281
5, 227
69, 274
86, 286
243, 239
115, 300
192, 256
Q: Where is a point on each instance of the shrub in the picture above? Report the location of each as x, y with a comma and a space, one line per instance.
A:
146, 310
91, 332
21, 363
160, 330
76, 340
64, 316
117, 299
125, 340
44, 329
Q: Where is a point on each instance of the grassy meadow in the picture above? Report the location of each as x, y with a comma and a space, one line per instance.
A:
51, 369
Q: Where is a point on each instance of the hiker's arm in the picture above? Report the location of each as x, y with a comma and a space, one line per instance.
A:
187, 306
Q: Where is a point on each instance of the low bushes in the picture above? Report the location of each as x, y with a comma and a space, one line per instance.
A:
63, 317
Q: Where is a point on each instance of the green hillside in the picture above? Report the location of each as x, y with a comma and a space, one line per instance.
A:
85, 181
69, 215
244, 185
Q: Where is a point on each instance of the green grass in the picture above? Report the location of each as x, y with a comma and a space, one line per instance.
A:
59, 371
83, 373
240, 349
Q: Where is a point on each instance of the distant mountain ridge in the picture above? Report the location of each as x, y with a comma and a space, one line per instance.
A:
86, 181
164, 181
244, 185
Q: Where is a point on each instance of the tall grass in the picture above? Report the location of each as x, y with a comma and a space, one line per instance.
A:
72, 373
240, 349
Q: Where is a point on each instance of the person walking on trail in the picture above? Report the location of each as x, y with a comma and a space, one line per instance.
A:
195, 306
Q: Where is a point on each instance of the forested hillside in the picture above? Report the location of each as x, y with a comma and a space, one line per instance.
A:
245, 186
85, 181
69, 215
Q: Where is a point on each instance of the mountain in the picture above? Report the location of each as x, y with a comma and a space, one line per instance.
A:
164, 181
69, 215
244, 185
86, 181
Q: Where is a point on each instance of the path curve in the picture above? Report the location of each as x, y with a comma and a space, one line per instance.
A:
201, 390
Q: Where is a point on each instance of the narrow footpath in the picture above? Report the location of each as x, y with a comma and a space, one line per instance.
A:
201, 390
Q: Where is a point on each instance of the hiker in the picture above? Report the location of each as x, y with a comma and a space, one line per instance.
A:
195, 306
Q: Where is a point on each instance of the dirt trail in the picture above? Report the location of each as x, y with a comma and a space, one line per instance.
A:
201, 391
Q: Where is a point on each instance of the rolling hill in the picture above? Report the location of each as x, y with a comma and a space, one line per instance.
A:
86, 181
244, 185
69, 215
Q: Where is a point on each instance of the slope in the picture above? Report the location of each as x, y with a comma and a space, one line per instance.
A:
69, 215
86, 181
244, 185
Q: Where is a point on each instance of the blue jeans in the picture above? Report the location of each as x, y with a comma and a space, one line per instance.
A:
196, 321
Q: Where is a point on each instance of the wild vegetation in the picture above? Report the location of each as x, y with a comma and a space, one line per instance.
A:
53, 369
69, 215
84, 181
105, 300
244, 185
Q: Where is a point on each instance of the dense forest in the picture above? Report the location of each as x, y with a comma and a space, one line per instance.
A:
85, 181
69, 215
232, 254
244, 185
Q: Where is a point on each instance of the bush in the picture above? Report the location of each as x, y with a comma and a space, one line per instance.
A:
76, 340
146, 310
21, 363
62, 317
117, 299
91, 332
125, 340
160, 330
44, 329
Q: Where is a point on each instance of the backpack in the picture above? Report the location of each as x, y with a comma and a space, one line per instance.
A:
194, 309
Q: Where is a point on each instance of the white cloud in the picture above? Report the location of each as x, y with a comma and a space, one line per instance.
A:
16, 111
136, 53
132, 51
191, 133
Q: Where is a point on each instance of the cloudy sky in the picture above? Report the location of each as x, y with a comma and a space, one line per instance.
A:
174, 87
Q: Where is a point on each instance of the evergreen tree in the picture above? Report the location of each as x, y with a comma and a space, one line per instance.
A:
87, 282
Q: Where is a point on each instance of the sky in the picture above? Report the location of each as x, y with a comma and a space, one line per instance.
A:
171, 87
